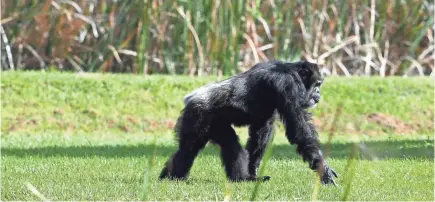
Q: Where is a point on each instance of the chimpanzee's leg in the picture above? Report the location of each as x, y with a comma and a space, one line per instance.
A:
259, 137
191, 142
234, 156
179, 165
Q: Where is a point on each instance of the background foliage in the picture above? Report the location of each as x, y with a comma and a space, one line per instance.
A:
349, 37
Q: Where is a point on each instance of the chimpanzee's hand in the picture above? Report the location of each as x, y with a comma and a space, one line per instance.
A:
327, 175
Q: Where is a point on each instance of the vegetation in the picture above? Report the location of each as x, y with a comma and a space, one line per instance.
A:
106, 137
84, 167
97, 136
125, 103
353, 37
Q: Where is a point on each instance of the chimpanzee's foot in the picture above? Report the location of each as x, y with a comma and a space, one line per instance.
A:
263, 179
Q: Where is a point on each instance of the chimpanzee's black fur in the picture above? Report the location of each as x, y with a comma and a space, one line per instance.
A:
250, 99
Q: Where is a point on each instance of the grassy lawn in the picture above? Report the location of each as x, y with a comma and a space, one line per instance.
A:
106, 137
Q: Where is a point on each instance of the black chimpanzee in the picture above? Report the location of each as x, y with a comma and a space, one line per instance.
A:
251, 98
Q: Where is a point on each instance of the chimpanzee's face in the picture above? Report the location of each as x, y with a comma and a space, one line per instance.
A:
312, 80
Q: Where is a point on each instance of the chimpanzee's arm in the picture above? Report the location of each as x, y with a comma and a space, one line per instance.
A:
299, 130
302, 133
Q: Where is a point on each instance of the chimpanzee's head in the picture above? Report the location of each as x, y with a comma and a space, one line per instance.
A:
312, 79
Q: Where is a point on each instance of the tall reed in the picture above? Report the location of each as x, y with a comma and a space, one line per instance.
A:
222, 37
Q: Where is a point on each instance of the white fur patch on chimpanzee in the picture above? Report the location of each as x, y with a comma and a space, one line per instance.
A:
203, 93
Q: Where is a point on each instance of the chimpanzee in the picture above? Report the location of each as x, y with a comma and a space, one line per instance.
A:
252, 99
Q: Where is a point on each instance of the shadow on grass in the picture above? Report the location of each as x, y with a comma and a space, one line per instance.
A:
380, 149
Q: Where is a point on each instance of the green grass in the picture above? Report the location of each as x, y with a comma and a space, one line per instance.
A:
66, 102
92, 167
76, 138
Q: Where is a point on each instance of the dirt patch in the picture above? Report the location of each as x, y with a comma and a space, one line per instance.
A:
159, 124
91, 112
132, 123
125, 128
58, 112
390, 122
385, 123
132, 120
21, 123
